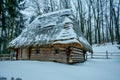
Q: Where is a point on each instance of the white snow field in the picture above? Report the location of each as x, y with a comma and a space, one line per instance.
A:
92, 69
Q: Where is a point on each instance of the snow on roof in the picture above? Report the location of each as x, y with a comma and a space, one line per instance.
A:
60, 12
49, 29
50, 17
67, 34
67, 20
85, 43
50, 24
73, 40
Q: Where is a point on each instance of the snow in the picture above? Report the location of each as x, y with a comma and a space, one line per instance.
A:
44, 19
67, 34
104, 48
50, 24
82, 39
26, 13
92, 69
67, 20
63, 12
67, 41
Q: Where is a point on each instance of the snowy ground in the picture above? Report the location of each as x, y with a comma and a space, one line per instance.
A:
93, 69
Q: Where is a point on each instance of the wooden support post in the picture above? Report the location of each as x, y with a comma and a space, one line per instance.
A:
68, 51
106, 54
29, 54
84, 57
17, 54
21, 53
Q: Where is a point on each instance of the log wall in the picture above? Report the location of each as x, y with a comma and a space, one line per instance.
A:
49, 54
76, 55
19, 54
23, 54
45, 54
63, 54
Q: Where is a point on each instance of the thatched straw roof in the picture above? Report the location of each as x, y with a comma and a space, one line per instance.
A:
49, 29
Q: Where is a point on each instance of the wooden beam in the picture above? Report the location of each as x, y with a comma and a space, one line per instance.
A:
17, 50
76, 52
29, 54
76, 49
21, 53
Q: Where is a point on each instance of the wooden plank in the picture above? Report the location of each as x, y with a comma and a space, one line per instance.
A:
62, 52
76, 49
62, 49
78, 61
77, 57
76, 52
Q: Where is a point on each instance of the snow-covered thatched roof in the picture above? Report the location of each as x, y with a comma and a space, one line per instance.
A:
49, 29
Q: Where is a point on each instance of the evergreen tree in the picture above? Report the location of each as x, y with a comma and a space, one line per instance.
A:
11, 22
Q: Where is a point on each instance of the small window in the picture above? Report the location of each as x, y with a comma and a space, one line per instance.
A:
38, 51
57, 51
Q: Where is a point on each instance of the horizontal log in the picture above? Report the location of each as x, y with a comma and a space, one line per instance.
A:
62, 52
57, 58
76, 49
62, 49
61, 60
60, 57
77, 57
76, 52
77, 60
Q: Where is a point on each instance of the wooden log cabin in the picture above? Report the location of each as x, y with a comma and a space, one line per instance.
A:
53, 36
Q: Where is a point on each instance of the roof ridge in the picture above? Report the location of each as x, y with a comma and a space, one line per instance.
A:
55, 12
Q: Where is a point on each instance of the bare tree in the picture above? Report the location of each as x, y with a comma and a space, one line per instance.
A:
64, 4
116, 21
89, 30
37, 6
